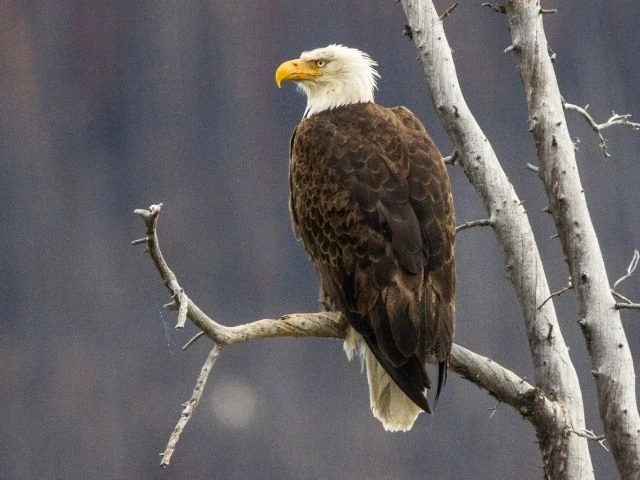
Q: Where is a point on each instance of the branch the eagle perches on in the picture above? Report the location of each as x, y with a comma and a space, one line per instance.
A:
501, 383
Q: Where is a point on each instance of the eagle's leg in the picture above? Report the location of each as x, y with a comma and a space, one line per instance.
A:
326, 305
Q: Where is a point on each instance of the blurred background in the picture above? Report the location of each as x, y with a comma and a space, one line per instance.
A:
111, 105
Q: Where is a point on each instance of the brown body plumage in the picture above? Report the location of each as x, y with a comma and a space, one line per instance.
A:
371, 202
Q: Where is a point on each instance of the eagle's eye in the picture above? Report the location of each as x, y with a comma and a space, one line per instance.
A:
320, 63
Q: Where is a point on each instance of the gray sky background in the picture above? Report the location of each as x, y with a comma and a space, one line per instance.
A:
111, 105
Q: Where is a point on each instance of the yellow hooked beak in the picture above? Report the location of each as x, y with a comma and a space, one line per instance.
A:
296, 70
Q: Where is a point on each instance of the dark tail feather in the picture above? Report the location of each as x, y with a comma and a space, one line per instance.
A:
442, 380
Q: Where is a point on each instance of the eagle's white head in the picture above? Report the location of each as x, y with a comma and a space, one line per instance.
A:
331, 76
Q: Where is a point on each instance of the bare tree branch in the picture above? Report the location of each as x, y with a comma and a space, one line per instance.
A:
494, 6
191, 405
324, 324
626, 303
451, 159
630, 269
448, 11
631, 305
619, 296
600, 320
615, 119
558, 293
485, 222
192, 340
498, 381
589, 435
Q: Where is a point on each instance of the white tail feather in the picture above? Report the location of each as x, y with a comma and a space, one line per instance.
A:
389, 404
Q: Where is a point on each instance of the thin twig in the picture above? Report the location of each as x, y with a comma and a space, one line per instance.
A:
495, 7
620, 296
485, 222
630, 269
452, 159
448, 11
621, 305
172, 305
555, 294
190, 406
193, 340
615, 119
590, 435
150, 217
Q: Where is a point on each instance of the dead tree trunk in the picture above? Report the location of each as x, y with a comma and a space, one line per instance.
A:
564, 450
612, 364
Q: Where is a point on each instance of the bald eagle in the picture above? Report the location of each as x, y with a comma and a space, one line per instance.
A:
371, 202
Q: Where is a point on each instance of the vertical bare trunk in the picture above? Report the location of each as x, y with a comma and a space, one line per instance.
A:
612, 364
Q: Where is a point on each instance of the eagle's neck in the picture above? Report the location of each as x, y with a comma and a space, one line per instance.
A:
328, 94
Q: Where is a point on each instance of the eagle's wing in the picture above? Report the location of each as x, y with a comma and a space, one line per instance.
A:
371, 201
438, 230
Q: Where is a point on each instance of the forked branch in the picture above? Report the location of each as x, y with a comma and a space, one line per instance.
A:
626, 303
615, 119
500, 382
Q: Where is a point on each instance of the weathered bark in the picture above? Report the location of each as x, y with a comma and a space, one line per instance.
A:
554, 372
612, 364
